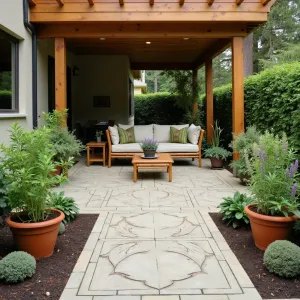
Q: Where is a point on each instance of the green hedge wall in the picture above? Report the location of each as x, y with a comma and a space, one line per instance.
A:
158, 108
5, 100
272, 100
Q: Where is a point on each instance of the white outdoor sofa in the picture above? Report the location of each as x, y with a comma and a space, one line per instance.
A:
160, 133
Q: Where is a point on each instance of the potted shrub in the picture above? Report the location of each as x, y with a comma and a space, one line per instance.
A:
243, 144
27, 163
99, 134
215, 152
64, 143
149, 147
273, 170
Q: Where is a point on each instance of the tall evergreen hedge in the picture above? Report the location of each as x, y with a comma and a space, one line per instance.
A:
272, 100
158, 108
5, 100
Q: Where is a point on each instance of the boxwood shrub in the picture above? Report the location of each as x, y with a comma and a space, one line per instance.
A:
272, 100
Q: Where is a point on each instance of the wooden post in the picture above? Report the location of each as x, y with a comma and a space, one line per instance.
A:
209, 100
60, 74
237, 87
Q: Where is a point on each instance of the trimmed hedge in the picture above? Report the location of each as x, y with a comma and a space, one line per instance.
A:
5, 100
158, 108
272, 100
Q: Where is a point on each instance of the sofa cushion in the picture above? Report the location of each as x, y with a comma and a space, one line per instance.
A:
114, 134
193, 134
141, 132
127, 148
126, 135
162, 132
176, 147
178, 135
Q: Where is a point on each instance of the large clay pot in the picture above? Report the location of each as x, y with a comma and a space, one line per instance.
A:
216, 163
38, 239
57, 171
267, 229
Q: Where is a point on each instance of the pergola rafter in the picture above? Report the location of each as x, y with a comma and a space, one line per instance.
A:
60, 2
91, 2
32, 3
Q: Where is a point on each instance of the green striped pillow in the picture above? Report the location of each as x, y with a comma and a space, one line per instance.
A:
178, 135
126, 135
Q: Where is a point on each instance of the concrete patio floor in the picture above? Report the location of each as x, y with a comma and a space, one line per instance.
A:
155, 240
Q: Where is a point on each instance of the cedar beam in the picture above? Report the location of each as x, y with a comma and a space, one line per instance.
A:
60, 74
209, 100
151, 2
181, 2
60, 2
91, 2
239, 2
237, 87
32, 3
265, 2
121, 2
210, 2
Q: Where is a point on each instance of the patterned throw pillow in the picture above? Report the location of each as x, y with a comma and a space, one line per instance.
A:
178, 135
126, 135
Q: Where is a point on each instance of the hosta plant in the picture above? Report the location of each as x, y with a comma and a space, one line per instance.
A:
232, 209
66, 204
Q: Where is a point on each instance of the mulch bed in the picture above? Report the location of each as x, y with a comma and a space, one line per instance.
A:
268, 285
52, 273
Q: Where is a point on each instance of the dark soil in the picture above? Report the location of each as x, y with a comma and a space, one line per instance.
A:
268, 285
52, 273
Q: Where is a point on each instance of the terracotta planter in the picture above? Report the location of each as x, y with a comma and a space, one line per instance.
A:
267, 229
38, 239
57, 171
216, 163
149, 153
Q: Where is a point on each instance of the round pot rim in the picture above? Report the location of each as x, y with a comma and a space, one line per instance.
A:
253, 214
56, 220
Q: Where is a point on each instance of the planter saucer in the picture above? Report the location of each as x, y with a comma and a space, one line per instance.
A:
143, 156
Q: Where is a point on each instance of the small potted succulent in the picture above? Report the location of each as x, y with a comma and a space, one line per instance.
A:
149, 147
28, 164
215, 152
273, 170
99, 134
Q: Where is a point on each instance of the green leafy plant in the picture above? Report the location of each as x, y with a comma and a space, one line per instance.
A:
28, 163
17, 266
217, 152
149, 144
64, 143
217, 130
273, 176
232, 209
66, 204
99, 133
283, 259
4, 207
243, 144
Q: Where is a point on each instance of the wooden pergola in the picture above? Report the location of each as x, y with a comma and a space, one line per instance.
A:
155, 35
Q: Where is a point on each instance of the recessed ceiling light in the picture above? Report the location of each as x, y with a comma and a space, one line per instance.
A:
186, 38
148, 43
102, 39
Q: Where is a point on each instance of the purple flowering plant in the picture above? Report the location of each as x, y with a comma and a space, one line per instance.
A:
149, 144
274, 176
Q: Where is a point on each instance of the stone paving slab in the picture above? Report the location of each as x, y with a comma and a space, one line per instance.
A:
154, 239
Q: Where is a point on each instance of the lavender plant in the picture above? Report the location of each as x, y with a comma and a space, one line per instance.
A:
149, 144
273, 170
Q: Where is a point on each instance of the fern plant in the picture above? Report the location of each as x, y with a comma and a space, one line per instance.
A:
66, 204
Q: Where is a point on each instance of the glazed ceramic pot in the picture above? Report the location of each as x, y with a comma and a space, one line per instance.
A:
267, 229
37, 239
149, 153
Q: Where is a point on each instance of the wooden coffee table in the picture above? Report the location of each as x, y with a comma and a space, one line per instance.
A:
164, 160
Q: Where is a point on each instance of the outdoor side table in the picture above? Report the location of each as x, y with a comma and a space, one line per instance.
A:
91, 154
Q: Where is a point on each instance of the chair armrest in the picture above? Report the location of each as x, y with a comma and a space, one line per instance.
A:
108, 140
200, 140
